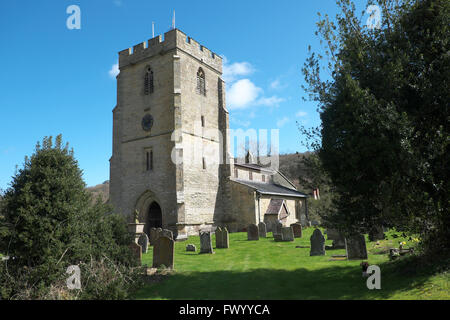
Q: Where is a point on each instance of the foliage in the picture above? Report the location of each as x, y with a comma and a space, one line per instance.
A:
384, 139
50, 223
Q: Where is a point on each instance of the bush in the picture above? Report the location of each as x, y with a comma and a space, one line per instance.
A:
50, 223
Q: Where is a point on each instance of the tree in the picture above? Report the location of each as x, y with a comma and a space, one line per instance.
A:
50, 223
385, 117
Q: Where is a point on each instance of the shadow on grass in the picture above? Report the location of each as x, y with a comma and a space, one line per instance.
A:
337, 282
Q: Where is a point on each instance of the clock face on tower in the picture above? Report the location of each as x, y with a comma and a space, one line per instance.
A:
147, 122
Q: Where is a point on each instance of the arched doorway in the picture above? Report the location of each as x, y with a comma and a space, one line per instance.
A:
154, 217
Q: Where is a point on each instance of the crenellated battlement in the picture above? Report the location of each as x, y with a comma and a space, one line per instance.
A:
173, 39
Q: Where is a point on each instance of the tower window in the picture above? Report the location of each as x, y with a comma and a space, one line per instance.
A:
235, 173
263, 178
203, 121
201, 88
204, 163
148, 81
149, 160
250, 175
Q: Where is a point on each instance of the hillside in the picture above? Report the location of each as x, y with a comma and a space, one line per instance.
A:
290, 166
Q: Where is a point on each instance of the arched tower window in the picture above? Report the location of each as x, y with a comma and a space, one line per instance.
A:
148, 81
201, 89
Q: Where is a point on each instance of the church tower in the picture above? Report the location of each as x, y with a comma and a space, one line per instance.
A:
170, 157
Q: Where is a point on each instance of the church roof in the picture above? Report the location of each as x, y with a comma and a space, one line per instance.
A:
271, 189
254, 166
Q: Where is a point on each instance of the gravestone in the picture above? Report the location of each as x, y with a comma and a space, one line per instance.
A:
339, 243
205, 242
137, 252
277, 237
262, 230
277, 228
143, 242
166, 233
317, 243
287, 234
332, 234
337, 237
163, 252
222, 238
252, 232
297, 229
355, 246
153, 236
218, 237
191, 247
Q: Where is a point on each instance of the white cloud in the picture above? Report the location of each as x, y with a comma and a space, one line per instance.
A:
114, 71
243, 123
282, 122
273, 101
242, 93
301, 114
275, 84
230, 72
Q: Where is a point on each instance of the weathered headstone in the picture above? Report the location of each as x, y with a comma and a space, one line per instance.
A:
252, 232
222, 238
277, 228
355, 246
137, 251
262, 230
166, 233
191, 247
332, 234
205, 242
163, 252
143, 242
152, 236
287, 234
297, 228
339, 243
277, 237
317, 243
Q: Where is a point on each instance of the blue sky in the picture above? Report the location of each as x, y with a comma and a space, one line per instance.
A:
55, 80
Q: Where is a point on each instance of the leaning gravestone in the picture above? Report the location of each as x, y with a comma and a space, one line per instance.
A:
153, 236
137, 252
355, 246
287, 234
205, 242
317, 243
262, 230
143, 242
163, 252
339, 243
297, 229
252, 232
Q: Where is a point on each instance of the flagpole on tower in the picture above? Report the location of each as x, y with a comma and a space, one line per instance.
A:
173, 20
153, 29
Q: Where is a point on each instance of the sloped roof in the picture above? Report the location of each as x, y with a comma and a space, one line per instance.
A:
271, 189
274, 206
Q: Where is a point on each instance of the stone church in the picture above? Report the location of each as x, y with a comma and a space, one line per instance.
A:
170, 97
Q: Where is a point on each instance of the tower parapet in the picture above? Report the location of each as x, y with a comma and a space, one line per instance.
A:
173, 39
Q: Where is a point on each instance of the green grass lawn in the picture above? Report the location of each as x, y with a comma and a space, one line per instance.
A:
266, 269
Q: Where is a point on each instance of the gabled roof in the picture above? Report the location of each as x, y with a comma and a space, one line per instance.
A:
271, 189
274, 206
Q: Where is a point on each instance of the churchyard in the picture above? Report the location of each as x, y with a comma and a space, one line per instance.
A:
268, 269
